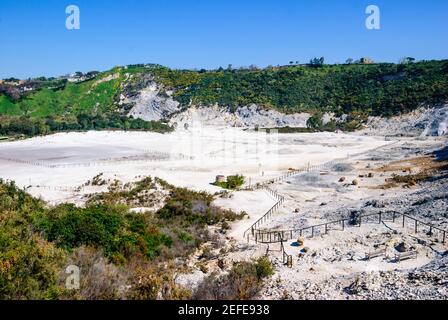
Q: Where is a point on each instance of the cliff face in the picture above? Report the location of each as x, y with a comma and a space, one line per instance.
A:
422, 122
245, 117
152, 104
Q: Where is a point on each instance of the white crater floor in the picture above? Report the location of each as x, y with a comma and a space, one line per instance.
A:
51, 166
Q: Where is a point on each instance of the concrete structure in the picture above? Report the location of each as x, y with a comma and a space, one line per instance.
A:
220, 178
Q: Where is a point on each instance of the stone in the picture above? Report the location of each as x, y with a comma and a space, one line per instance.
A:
401, 247
300, 241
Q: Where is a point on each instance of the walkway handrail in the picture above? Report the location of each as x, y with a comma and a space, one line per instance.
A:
276, 236
281, 199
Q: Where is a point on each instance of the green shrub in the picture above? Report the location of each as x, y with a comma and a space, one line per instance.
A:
232, 182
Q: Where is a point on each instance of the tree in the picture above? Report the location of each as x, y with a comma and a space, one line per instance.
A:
349, 61
406, 60
314, 122
317, 62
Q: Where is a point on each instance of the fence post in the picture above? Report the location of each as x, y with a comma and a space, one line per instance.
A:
343, 225
360, 218
416, 226
379, 218
312, 232
326, 228
403, 219
393, 216
443, 237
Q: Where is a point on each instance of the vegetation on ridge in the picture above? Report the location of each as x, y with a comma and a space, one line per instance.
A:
41, 106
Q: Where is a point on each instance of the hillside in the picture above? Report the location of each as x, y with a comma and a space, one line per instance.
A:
116, 98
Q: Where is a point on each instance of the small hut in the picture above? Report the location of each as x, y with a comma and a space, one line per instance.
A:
220, 179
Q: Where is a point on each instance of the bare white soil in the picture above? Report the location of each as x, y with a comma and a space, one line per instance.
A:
53, 167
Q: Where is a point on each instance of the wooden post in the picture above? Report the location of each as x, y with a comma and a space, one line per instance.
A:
290, 261
393, 216
416, 226
360, 218
443, 237
326, 228
379, 218
403, 219
343, 225
312, 232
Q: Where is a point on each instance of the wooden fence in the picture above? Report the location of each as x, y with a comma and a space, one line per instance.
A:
264, 185
405, 220
147, 157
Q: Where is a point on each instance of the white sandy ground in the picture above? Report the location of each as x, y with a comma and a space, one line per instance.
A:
196, 157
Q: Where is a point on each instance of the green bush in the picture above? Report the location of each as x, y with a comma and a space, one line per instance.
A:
232, 182
110, 228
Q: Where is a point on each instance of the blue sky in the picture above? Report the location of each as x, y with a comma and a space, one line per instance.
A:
212, 33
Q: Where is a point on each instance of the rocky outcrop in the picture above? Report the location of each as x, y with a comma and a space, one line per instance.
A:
422, 122
152, 104
248, 116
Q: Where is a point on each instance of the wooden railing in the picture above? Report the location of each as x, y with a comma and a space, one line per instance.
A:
264, 185
262, 220
276, 236
286, 258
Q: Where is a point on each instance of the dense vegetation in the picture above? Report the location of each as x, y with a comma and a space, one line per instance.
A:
29, 126
114, 246
357, 90
379, 89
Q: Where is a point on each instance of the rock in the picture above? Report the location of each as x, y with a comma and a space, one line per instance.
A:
300, 241
221, 264
305, 250
341, 179
355, 182
401, 247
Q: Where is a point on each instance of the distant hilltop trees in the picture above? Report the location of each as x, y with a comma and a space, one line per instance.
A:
357, 89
